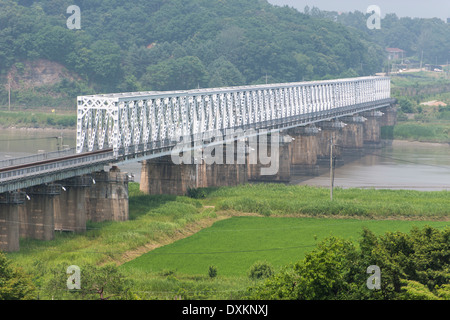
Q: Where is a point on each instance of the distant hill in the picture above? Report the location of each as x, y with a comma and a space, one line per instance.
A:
181, 44
422, 39
165, 45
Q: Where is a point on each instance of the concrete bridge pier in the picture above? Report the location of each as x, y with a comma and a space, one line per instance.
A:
331, 132
353, 135
70, 213
389, 117
9, 227
9, 220
388, 122
277, 165
163, 176
107, 199
218, 165
37, 216
304, 150
229, 167
372, 129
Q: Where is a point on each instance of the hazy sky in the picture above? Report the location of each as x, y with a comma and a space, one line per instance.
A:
403, 8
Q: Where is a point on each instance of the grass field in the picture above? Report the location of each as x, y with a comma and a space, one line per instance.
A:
283, 200
235, 244
35, 119
167, 246
430, 131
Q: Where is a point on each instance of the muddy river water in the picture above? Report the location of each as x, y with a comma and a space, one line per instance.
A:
402, 165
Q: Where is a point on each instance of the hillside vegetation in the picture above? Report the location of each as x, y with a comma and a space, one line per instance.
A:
168, 45
422, 39
423, 107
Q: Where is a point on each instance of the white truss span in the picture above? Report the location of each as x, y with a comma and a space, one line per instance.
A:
143, 120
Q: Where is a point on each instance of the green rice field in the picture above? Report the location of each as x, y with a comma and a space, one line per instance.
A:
234, 244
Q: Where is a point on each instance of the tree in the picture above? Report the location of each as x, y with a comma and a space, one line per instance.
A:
176, 74
260, 270
55, 43
15, 284
105, 65
405, 105
223, 74
413, 265
321, 275
97, 283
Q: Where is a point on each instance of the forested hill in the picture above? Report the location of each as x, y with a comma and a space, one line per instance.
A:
181, 44
421, 39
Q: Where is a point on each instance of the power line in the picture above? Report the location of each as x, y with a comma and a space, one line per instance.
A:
178, 253
197, 253
206, 230
408, 161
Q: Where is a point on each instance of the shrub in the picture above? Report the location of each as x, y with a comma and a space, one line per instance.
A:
212, 271
196, 193
406, 105
51, 121
260, 270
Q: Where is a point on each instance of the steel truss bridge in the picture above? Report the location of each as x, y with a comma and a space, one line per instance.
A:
124, 127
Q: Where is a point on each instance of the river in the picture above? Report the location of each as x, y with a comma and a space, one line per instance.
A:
403, 165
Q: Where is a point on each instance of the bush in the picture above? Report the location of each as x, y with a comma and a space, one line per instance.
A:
406, 105
414, 265
444, 115
196, 193
260, 270
212, 271
15, 284
67, 121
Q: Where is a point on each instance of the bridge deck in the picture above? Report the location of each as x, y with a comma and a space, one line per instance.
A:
126, 127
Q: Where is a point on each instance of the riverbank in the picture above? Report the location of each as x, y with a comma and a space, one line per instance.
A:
37, 120
157, 221
25, 130
402, 143
432, 131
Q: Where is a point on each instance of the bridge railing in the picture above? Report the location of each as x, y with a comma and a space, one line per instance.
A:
36, 158
120, 121
30, 170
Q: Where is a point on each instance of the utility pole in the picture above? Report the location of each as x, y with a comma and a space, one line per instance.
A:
331, 169
421, 61
60, 144
446, 71
9, 93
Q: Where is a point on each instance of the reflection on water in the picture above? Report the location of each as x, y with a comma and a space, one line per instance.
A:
21, 142
405, 165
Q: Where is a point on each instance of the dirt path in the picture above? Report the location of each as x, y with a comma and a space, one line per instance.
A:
194, 227
187, 231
